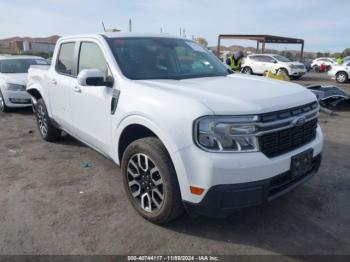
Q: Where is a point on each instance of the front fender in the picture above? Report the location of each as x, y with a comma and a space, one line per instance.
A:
146, 122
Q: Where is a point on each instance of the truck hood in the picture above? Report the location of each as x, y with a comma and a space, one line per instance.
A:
19, 79
237, 93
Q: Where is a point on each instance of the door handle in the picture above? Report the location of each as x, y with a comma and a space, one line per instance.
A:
54, 81
77, 89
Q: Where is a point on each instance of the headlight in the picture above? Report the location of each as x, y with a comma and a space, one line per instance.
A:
15, 87
226, 134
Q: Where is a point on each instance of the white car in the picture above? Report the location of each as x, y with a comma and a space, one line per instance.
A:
187, 133
260, 63
13, 80
327, 61
341, 73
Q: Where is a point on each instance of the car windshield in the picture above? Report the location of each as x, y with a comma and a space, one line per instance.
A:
17, 66
281, 58
164, 58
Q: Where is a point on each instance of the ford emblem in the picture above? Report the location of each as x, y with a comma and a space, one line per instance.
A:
299, 121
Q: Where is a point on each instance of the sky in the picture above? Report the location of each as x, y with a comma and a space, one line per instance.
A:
324, 24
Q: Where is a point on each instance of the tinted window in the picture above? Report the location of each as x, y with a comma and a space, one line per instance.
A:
18, 66
281, 58
64, 63
266, 59
91, 57
255, 58
164, 58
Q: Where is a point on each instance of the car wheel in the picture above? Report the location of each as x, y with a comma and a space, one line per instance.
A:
247, 70
3, 107
150, 181
316, 68
47, 130
285, 71
342, 77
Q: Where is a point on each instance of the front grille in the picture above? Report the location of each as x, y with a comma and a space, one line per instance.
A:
284, 114
280, 142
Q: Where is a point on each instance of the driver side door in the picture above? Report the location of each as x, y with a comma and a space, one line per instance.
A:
91, 105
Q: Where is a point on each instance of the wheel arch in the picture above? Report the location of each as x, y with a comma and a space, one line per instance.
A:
137, 127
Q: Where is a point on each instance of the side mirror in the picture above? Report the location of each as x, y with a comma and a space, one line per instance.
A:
94, 77
273, 61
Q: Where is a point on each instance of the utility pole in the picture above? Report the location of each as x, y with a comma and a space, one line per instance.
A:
184, 33
104, 28
130, 25
161, 30
180, 31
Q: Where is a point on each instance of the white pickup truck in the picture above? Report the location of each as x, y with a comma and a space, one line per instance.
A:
187, 133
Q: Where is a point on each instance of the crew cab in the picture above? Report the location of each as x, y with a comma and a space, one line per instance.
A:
13, 80
187, 133
340, 73
260, 63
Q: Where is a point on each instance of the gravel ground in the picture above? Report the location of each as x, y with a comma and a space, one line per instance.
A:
64, 198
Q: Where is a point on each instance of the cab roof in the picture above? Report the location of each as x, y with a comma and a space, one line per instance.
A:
119, 34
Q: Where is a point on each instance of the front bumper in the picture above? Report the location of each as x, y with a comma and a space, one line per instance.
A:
297, 72
221, 200
17, 99
195, 167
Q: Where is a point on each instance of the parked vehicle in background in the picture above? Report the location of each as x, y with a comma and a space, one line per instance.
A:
260, 63
187, 133
307, 63
326, 62
13, 80
340, 73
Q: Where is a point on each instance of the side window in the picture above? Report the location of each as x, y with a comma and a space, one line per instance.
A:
64, 62
267, 59
91, 57
258, 58
254, 58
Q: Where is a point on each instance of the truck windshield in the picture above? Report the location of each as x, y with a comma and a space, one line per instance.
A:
18, 66
164, 58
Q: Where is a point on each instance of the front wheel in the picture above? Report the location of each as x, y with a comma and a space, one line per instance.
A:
46, 128
150, 181
247, 70
342, 77
3, 107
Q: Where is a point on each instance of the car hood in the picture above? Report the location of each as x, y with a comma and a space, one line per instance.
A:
238, 93
19, 79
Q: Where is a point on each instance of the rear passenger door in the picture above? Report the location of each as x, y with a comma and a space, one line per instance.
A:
258, 64
61, 79
91, 105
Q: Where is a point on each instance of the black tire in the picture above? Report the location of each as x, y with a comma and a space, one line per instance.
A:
342, 77
46, 129
171, 206
3, 107
247, 70
296, 77
316, 68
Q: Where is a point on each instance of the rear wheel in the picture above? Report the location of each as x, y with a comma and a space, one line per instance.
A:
46, 128
150, 181
247, 70
3, 107
342, 77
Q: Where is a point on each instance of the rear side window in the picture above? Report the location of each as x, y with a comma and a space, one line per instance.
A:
65, 59
91, 57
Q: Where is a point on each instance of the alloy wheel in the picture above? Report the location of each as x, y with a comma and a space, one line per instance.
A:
145, 182
42, 120
341, 77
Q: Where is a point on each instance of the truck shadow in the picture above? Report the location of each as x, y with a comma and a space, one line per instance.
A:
312, 219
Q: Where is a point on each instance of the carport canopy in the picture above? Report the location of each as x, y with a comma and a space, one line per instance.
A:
263, 40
